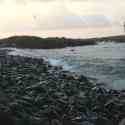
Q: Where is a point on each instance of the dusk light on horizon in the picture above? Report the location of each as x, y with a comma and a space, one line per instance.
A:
68, 18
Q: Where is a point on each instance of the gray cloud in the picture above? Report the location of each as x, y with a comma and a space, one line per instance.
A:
96, 20
58, 16
28, 1
73, 21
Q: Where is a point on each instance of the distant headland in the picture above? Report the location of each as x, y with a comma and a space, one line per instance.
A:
34, 42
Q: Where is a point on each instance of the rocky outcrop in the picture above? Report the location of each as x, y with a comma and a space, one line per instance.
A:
35, 93
33, 42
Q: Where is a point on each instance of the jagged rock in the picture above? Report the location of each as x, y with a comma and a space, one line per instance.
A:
103, 121
87, 123
122, 122
6, 119
36, 93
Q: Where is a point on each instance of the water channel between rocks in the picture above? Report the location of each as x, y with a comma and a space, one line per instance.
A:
104, 61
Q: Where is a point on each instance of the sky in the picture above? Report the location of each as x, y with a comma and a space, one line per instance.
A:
62, 18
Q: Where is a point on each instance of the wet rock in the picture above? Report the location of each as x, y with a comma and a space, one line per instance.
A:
36, 93
99, 90
122, 122
83, 78
55, 122
87, 123
6, 119
103, 121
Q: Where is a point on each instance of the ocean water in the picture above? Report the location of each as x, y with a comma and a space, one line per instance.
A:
104, 61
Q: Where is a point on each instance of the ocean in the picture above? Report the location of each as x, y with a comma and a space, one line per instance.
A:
104, 61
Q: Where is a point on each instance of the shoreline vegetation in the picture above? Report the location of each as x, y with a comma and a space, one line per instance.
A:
34, 42
32, 92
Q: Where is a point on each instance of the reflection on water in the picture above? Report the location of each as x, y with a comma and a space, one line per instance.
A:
105, 61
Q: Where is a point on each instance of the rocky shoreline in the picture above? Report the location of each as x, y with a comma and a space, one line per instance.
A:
34, 42
32, 92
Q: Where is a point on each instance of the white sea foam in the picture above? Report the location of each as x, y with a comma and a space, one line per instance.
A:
104, 61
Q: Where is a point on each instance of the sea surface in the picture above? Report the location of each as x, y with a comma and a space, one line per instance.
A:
104, 61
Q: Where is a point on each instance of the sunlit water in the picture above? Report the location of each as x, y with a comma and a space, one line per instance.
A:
105, 61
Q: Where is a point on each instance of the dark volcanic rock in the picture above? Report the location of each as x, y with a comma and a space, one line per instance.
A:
35, 93
6, 119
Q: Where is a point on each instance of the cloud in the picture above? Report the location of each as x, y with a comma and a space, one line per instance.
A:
44, 15
47, 17
97, 21
30, 1
61, 17
71, 21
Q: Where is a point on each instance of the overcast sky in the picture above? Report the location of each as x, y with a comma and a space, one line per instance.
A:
70, 18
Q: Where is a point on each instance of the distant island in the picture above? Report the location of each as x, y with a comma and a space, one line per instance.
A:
34, 42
